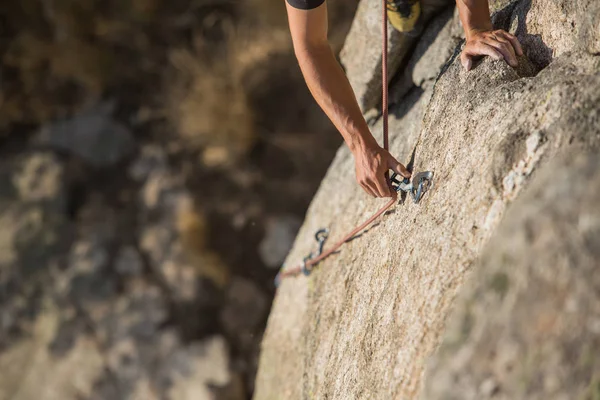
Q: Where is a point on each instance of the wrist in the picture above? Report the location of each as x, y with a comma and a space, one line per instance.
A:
361, 143
474, 31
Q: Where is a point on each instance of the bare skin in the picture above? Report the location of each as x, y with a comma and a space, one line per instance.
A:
482, 40
332, 91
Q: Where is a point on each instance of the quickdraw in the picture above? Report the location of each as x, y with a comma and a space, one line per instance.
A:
321, 237
424, 182
421, 183
306, 268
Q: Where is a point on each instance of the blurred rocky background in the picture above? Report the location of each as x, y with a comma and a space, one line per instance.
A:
157, 158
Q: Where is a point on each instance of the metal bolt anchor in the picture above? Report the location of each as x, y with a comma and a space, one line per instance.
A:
422, 182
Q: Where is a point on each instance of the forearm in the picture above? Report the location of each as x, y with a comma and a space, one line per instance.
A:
474, 15
332, 91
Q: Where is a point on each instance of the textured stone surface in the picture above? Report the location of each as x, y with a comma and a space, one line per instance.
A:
364, 324
361, 55
278, 239
546, 29
434, 48
527, 326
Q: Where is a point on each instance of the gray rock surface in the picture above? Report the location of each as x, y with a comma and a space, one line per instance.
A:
30, 370
244, 310
278, 239
92, 134
32, 216
588, 13
365, 322
527, 325
361, 54
434, 48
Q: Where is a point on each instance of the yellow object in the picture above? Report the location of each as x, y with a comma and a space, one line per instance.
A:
403, 23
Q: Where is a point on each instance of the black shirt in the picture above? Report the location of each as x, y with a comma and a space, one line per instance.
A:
305, 4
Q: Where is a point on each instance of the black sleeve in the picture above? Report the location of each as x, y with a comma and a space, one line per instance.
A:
305, 4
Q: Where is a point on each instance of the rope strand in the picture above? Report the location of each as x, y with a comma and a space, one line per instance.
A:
308, 264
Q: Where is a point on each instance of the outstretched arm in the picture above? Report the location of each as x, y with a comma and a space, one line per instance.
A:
482, 40
332, 91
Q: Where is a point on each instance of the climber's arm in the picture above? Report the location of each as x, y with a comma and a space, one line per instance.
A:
330, 88
482, 40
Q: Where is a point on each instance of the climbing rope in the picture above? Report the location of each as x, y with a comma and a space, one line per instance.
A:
423, 181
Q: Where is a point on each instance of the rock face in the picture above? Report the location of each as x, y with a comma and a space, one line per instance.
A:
527, 326
434, 48
361, 55
364, 324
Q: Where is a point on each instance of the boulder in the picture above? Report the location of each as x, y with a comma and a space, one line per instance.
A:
364, 324
546, 29
129, 261
33, 203
93, 134
588, 33
278, 239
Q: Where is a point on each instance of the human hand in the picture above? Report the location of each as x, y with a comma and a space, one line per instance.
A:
371, 164
497, 44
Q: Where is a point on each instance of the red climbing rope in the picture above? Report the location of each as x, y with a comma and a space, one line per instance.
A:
307, 265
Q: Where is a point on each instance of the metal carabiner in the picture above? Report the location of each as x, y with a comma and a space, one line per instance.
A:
424, 183
321, 236
404, 185
423, 180
304, 269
